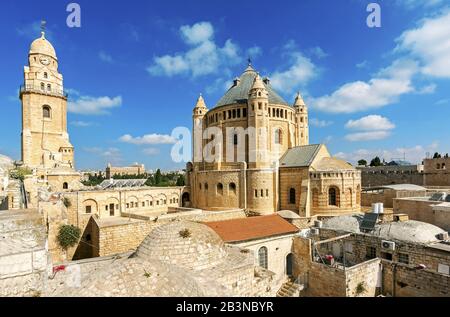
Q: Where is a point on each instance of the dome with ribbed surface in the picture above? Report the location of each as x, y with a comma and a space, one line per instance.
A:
136, 277
238, 93
42, 46
185, 244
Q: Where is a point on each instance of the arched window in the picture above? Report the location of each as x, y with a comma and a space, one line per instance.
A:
438, 166
332, 197
232, 188
220, 189
278, 136
42, 86
46, 111
65, 186
45, 75
292, 196
262, 257
206, 186
49, 87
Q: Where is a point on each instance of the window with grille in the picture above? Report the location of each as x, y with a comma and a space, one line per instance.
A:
262, 257
403, 258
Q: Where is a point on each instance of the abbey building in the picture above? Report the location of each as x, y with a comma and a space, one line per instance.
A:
272, 166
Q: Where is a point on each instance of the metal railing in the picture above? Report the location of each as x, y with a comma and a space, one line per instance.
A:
43, 90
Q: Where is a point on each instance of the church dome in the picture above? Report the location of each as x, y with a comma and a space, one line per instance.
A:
136, 278
238, 93
42, 46
185, 244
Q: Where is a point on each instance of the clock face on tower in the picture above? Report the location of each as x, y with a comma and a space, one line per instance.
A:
44, 60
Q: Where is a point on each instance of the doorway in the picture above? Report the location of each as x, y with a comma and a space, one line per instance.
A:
111, 210
289, 264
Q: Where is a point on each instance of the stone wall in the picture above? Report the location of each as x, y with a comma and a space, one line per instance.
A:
400, 280
386, 196
23, 258
422, 210
389, 175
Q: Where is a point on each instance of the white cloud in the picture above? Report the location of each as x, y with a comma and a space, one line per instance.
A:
94, 105
385, 88
320, 123
300, 72
363, 64
197, 33
367, 136
204, 56
430, 42
318, 52
151, 151
428, 89
411, 4
105, 57
442, 102
254, 52
112, 155
81, 124
148, 139
370, 123
413, 154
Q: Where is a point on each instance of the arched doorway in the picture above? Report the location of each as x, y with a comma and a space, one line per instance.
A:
289, 264
185, 200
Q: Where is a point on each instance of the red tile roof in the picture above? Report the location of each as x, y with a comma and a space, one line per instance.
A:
252, 228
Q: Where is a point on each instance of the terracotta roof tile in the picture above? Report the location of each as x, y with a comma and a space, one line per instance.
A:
252, 228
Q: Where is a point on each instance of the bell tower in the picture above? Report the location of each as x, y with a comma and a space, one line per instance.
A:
258, 101
45, 141
301, 118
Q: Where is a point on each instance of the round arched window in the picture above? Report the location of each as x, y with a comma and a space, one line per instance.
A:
46, 111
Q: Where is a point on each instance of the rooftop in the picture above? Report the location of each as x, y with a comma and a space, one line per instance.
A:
252, 228
406, 231
300, 156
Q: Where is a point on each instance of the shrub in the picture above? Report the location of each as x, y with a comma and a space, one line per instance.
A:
361, 288
185, 233
20, 173
68, 236
67, 202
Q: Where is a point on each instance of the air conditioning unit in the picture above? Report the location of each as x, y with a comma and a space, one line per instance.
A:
443, 236
388, 245
314, 232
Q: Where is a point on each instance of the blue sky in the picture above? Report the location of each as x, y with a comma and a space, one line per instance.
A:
135, 69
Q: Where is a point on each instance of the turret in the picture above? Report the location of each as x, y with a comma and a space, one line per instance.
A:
198, 114
301, 117
258, 101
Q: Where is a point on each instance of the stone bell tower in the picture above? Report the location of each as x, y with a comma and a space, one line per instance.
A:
45, 141
301, 118
258, 101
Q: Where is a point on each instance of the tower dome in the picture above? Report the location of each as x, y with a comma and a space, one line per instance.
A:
42, 46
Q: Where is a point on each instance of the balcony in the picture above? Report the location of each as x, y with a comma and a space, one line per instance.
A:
44, 91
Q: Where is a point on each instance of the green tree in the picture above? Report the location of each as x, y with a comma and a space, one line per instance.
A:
375, 162
436, 155
158, 177
362, 163
180, 180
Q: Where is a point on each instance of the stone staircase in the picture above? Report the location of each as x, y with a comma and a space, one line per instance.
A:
14, 191
290, 289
